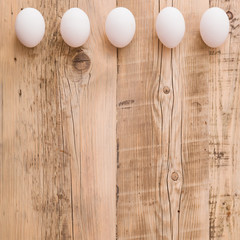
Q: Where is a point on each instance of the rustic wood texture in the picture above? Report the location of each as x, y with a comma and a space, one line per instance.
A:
224, 126
162, 96
58, 131
130, 144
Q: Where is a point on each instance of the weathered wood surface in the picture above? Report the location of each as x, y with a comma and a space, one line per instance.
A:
58, 129
136, 143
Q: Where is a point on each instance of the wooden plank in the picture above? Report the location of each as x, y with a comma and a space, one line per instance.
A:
58, 130
192, 63
162, 133
138, 216
224, 122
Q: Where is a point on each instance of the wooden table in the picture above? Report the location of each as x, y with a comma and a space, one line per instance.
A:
142, 143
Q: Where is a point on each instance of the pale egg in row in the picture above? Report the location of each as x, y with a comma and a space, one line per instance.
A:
120, 27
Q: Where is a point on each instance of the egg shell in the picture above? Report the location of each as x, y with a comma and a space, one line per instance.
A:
214, 27
75, 27
120, 27
170, 26
30, 27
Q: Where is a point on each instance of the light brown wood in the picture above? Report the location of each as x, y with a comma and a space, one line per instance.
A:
193, 204
224, 120
162, 132
139, 143
138, 137
58, 140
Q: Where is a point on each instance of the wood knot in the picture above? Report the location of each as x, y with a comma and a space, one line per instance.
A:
230, 15
174, 176
166, 90
81, 62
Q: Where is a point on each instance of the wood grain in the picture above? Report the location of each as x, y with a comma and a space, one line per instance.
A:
162, 130
139, 143
224, 131
194, 68
58, 131
138, 216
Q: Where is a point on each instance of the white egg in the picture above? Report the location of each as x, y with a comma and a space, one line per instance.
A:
30, 27
120, 27
75, 27
214, 27
170, 26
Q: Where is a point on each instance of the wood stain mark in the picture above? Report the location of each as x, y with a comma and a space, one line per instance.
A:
223, 204
118, 164
198, 106
214, 52
65, 234
51, 204
125, 103
218, 155
117, 193
234, 27
64, 152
